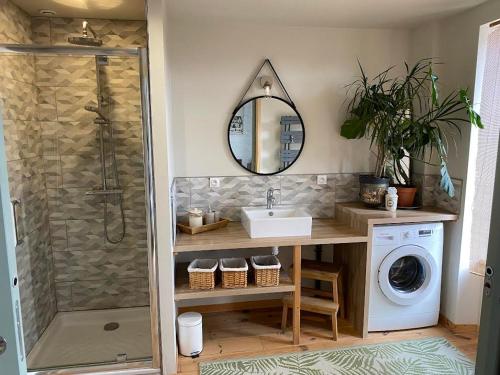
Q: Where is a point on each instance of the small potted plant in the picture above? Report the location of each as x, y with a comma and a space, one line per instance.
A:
404, 117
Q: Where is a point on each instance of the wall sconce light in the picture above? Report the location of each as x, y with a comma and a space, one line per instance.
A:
266, 83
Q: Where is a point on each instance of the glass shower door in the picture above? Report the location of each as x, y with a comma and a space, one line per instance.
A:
76, 165
12, 357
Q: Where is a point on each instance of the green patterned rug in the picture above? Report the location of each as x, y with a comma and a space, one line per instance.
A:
431, 356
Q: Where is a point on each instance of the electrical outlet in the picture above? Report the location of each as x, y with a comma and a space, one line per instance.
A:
214, 182
321, 179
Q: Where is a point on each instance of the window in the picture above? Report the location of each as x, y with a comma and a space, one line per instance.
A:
484, 144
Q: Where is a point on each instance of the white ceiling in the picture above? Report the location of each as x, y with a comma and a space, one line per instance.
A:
108, 9
321, 13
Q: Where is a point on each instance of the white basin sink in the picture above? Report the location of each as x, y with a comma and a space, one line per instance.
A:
261, 222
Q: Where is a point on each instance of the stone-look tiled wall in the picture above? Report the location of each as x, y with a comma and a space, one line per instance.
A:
91, 273
295, 190
433, 195
237, 192
18, 97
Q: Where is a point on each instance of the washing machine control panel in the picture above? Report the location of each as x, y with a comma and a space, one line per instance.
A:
385, 235
409, 234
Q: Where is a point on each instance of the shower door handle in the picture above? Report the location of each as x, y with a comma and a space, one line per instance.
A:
15, 204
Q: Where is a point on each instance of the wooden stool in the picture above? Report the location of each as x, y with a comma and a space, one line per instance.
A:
328, 272
316, 305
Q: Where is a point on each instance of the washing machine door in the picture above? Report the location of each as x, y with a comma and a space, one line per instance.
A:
408, 274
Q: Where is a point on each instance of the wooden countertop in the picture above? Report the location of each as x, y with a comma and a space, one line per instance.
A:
358, 212
234, 236
324, 231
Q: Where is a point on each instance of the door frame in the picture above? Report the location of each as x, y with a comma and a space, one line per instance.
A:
489, 329
140, 367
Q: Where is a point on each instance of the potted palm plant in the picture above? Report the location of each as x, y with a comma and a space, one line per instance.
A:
404, 118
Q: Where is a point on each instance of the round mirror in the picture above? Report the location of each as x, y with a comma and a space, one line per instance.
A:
266, 135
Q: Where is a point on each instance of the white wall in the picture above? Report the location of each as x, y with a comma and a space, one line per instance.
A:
454, 41
213, 63
163, 172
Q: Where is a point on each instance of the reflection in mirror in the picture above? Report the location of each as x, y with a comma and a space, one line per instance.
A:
266, 135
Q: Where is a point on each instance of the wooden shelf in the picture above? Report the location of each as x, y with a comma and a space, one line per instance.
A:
234, 236
183, 293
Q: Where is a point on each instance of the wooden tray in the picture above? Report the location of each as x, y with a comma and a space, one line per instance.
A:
204, 228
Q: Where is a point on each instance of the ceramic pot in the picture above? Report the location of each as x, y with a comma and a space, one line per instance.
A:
372, 190
406, 195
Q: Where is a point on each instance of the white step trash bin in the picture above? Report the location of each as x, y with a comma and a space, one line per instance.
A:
190, 334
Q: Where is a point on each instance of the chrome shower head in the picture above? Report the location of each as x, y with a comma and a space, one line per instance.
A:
85, 39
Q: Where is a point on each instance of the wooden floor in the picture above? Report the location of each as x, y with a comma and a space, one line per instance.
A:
257, 333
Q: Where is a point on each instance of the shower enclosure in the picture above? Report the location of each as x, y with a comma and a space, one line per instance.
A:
77, 137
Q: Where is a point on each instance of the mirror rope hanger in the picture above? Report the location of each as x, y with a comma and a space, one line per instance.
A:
268, 117
268, 62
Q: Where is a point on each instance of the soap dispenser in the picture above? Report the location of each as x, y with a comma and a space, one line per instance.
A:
391, 199
209, 216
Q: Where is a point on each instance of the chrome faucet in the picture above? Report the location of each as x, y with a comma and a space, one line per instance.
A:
271, 198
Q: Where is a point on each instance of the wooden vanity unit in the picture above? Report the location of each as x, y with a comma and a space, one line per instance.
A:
350, 233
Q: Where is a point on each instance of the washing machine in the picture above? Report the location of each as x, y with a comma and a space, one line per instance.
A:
405, 280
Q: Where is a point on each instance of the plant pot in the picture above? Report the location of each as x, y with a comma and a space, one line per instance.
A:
372, 189
406, 195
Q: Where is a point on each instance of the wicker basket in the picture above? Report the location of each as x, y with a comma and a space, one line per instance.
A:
202, 273
234, 272
266, 270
